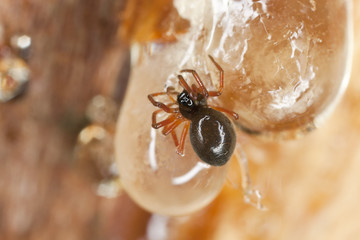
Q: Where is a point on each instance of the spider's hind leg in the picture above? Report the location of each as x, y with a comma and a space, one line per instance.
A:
221, 79
227, 111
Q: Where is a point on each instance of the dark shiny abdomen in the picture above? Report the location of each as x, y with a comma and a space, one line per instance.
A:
212, 136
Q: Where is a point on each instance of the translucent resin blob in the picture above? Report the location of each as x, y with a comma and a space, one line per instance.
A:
285, 62
150, 169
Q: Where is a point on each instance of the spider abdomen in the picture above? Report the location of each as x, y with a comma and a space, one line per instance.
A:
212, 136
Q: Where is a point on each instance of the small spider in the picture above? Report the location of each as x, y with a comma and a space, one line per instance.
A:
212, 135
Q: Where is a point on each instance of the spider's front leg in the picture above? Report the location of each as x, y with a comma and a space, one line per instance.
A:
204, 91
184, 84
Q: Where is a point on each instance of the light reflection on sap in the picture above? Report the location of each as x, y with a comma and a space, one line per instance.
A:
188, 176
152, 155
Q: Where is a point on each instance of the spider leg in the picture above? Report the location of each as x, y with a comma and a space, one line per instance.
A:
224, 110
170, 127
187, 87
165, 122
153, 119
169, 124
180, 147
176, 142
221, 80
194, 88
161, 105
171, 91
198, 80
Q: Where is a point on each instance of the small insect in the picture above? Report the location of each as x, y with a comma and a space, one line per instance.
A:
212, 135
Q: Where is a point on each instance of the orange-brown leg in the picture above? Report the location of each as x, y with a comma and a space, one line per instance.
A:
186, 86
176, 142
231, 113
171, 91
161, 105
155, 113
221, 79
163, 123
180, 148
153, 119
170, 127
195, 89
204, 91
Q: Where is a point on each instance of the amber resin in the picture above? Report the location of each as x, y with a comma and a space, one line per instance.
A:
286, 64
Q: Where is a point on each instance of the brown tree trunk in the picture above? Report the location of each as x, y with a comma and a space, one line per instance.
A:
75, 55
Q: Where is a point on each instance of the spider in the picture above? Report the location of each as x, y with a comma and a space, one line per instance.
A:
212, 135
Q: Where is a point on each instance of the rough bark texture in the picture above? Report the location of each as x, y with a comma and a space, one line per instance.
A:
75, 55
